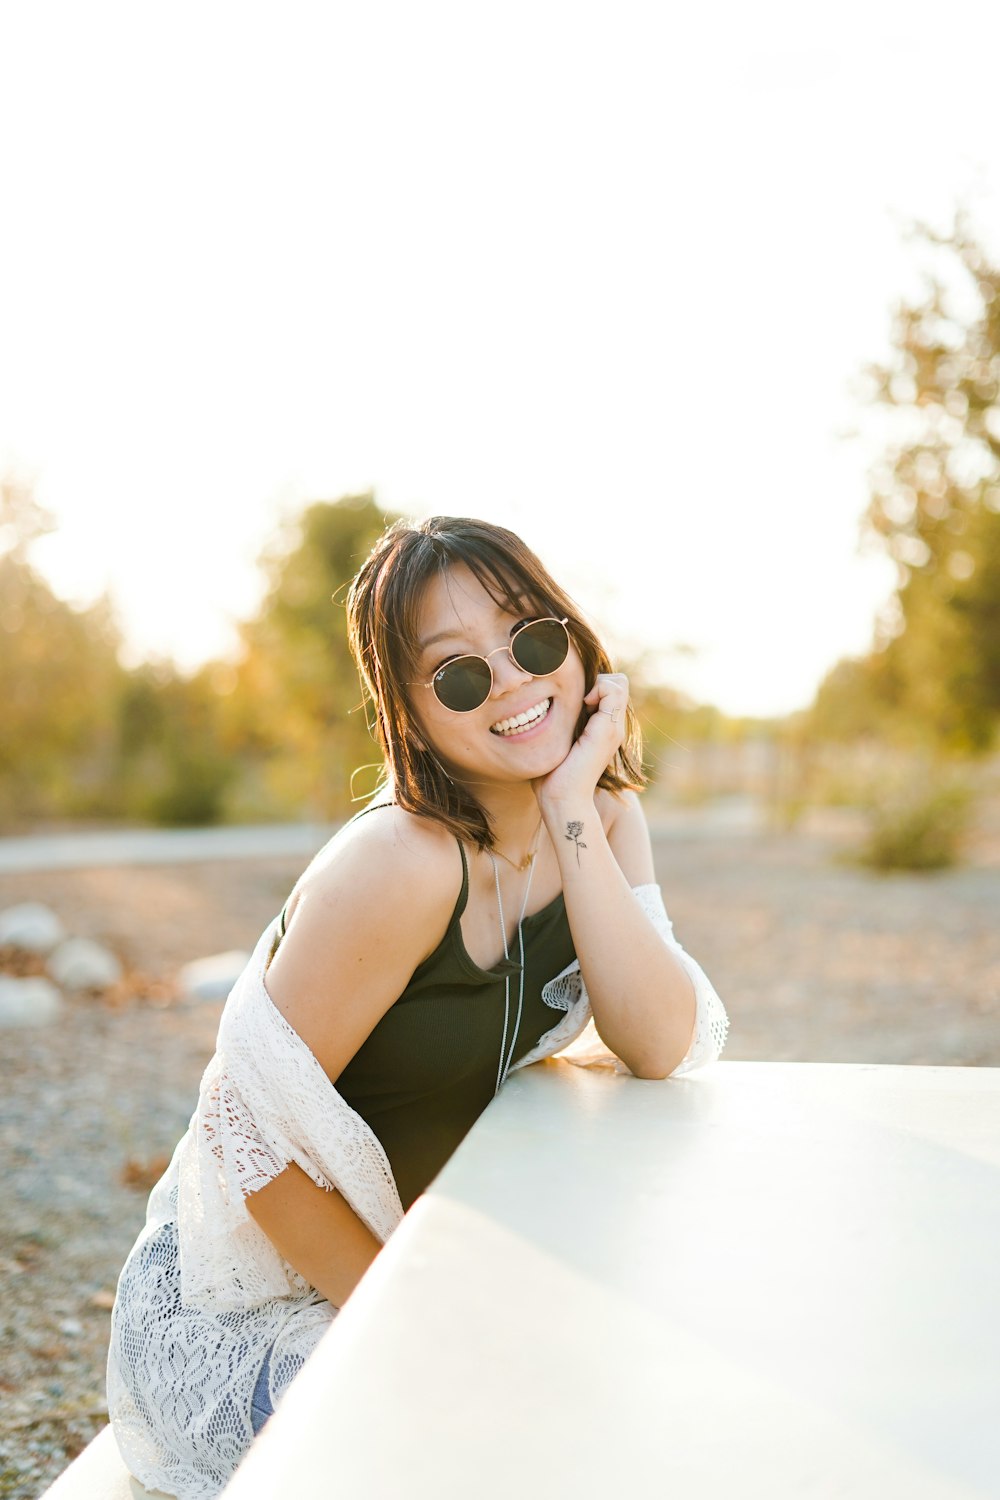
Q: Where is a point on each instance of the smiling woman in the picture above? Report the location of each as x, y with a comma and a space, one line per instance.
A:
496, 894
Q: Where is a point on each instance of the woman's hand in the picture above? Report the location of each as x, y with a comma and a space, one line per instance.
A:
574, 781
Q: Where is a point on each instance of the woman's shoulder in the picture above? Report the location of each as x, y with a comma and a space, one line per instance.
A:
402, 856
618, 807
374, 903
624, 821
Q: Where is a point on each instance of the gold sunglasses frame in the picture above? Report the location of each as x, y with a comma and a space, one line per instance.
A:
474, 656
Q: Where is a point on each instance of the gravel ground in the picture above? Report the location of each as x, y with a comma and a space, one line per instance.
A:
816, 961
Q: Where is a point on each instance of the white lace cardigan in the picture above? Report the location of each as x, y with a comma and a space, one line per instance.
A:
204, 1294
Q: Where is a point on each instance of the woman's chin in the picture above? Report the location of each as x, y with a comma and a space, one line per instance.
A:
546, 759
521, 757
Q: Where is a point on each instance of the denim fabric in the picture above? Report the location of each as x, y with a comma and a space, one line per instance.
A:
260, 1401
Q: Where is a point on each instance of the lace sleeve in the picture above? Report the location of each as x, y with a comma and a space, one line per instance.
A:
230, 1152
711, 1025
265, 1101
576, 1037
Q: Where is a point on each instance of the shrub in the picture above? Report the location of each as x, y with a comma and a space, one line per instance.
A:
918, 827
191, 793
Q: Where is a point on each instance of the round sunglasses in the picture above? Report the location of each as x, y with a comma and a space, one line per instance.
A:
539, 647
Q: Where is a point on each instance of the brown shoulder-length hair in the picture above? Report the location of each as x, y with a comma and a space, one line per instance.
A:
382, 608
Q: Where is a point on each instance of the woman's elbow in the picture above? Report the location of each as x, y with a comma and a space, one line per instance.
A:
660, 1061
657, 1071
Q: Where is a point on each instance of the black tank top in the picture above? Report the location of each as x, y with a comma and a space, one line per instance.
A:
429, 1068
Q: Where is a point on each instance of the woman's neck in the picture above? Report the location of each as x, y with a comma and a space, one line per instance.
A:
514, 817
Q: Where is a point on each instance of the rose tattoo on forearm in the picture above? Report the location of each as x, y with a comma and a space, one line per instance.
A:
573, 832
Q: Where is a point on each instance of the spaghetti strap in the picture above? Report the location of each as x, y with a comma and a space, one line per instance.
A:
463, 895
372, 807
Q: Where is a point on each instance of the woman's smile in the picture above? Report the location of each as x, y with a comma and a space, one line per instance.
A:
523, 723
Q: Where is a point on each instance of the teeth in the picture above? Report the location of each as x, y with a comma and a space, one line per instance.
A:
521, 721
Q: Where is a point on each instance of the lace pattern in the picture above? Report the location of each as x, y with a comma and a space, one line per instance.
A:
204, 1295
263, 1074
576, 1038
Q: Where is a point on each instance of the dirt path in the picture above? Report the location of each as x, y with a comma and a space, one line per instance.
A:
815, 961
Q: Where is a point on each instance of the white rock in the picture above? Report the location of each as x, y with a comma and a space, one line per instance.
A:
212, 978
81, 964
32, 927
28, 1002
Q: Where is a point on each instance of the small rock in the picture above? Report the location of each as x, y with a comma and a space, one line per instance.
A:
71, 1327
28, 1002
32, 927
80, 964
212, 978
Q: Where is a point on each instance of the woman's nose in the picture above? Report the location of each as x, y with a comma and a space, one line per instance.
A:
506, 672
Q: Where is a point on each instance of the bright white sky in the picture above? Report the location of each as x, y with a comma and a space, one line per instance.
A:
601, 273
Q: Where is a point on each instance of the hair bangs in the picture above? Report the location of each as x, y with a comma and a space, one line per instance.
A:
507, 577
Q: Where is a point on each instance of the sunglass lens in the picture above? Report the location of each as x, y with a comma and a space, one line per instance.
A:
464, 684
541, 647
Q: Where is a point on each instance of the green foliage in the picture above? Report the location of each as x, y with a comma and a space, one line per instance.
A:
296, 706
846, 706
919, 826
81, 736
59, 681
935, 504
275, 734
173, 765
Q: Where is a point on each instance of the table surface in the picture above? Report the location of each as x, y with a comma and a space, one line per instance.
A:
765, 1280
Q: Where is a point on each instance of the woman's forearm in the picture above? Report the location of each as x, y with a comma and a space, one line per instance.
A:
642, 998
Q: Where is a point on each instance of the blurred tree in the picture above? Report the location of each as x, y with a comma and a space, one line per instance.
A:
935, 502
60, 679
856, 699
295, 705
274, 733
174, 764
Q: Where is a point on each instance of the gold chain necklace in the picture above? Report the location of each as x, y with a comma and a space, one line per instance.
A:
522, 864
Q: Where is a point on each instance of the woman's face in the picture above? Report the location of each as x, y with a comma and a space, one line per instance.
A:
457, 617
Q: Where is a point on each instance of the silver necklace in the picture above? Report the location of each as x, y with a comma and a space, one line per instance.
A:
506, 1056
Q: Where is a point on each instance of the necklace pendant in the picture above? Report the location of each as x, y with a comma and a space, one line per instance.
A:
527, 860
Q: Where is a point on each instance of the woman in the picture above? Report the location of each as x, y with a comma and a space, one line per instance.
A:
498, 890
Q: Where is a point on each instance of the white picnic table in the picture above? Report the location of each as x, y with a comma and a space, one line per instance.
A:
767, 1280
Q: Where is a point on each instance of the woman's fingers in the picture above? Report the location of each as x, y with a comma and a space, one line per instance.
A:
602, 737
609, 697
